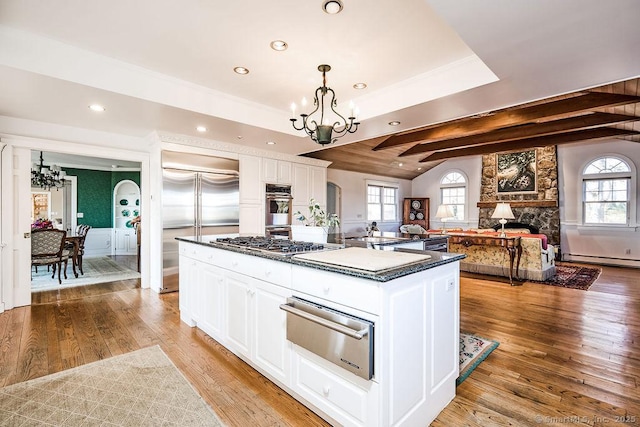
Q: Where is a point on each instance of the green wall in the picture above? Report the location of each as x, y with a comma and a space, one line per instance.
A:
95, 194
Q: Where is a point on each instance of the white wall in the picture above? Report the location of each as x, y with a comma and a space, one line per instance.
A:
428, 185
606, 245
353, 185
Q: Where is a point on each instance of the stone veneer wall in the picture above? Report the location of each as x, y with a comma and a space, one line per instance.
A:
539, 209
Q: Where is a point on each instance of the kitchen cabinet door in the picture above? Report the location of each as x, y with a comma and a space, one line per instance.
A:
276, 171
209, 300
251, 220
125, 242
251, 187
239, 312
272, 351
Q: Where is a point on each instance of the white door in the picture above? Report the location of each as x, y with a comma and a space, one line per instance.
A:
16, 201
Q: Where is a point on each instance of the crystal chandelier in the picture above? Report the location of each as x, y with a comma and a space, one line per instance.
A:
321, 128
45, 177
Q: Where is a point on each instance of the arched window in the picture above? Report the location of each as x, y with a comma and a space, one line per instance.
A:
606, 192
453, 192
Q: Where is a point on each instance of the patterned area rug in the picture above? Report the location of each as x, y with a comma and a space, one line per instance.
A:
473, 350
135, 389
573, 277
96, 270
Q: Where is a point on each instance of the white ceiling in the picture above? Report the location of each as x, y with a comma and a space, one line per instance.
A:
168, 66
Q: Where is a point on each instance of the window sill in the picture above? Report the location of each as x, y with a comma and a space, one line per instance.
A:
607, 228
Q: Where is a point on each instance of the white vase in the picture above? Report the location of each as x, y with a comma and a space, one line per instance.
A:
309, 234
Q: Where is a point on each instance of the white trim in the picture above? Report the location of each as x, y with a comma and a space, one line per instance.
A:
633, 192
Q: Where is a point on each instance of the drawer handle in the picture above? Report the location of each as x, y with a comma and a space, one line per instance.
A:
326, 323
325, 390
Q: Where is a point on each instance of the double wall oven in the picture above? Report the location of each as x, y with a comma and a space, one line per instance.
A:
278, 205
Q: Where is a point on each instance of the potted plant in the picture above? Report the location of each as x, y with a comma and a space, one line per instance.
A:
316, 224
282, 213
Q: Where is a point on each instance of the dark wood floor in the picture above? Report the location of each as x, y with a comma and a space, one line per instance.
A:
565, 356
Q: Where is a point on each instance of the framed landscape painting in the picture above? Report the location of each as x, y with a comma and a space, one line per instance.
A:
516, 172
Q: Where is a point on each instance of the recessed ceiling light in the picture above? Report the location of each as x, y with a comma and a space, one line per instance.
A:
241, 70
201, 129
332, 6
239, 136
394, 123
271, 143
96, 107
279, 45
359, 85
400, 164
419, 169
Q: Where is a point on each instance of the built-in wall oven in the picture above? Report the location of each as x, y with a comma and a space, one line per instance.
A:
278, 203
336, 336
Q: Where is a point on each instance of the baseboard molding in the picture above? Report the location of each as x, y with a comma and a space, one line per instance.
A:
618, 262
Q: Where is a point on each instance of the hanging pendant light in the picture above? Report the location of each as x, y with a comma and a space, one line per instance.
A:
319, 125
45, 177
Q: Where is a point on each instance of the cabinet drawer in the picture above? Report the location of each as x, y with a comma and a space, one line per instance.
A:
346, 401
349, 291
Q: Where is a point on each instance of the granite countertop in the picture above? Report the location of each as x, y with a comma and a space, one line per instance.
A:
437, 259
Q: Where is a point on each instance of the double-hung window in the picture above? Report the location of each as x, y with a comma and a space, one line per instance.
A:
382, 202
453, 192
606, 192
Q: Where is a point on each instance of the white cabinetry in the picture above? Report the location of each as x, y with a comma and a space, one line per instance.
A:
236, 298
276, 171
240, 309
126, 206
308, 182
251, 211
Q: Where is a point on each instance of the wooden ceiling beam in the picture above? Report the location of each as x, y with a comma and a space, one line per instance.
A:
587, 121
523, 144
559, 108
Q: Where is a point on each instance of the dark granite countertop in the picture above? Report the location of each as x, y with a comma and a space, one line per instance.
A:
437, 259
385, 237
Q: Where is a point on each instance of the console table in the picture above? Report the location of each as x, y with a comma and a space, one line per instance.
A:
510, 243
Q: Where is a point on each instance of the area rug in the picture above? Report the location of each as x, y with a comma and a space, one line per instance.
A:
573, 277
473, 350
96, 270
139, 388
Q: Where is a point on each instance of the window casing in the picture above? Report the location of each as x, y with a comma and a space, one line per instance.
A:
382, 203
606, 192
453, 192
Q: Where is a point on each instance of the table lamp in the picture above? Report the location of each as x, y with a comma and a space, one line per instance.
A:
503, 211
444, 212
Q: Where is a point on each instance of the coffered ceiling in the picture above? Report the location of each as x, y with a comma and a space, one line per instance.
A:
448, 71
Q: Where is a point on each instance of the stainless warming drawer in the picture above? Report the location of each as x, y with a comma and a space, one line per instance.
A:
335, 336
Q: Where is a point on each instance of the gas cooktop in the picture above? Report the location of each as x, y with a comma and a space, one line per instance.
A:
274, 246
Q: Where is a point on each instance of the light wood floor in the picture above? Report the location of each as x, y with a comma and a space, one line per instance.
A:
565, 356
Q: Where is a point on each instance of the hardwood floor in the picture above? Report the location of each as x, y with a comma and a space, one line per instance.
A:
565, 356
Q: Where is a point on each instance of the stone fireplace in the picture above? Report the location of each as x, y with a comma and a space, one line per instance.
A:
538, 207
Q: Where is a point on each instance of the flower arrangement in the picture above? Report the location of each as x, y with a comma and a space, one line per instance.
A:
40, 224
317, 216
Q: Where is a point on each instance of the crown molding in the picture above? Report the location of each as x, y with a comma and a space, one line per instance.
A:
233, 148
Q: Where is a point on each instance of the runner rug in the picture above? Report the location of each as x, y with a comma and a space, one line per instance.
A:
139, 388
473, 350
96, 270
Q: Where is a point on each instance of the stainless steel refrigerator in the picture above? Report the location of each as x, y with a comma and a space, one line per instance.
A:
200, 197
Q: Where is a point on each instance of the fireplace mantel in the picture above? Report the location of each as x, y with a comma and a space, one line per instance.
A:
521, 203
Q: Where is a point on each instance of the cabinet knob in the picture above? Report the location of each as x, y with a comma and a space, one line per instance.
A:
326, 389
267, 273
327, 289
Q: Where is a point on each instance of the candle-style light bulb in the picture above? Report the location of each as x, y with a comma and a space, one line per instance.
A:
293, 110
351, 108
304, 102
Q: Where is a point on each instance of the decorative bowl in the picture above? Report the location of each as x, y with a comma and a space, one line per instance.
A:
137, 202
125, 212
128, 224
135, 212
124, 202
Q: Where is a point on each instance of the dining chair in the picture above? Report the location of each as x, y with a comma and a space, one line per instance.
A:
47, 248
83, 235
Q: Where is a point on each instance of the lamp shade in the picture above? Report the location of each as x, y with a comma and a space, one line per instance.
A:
503, 211
444, 211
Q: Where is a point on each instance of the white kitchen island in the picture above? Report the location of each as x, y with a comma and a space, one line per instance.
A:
235, 296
